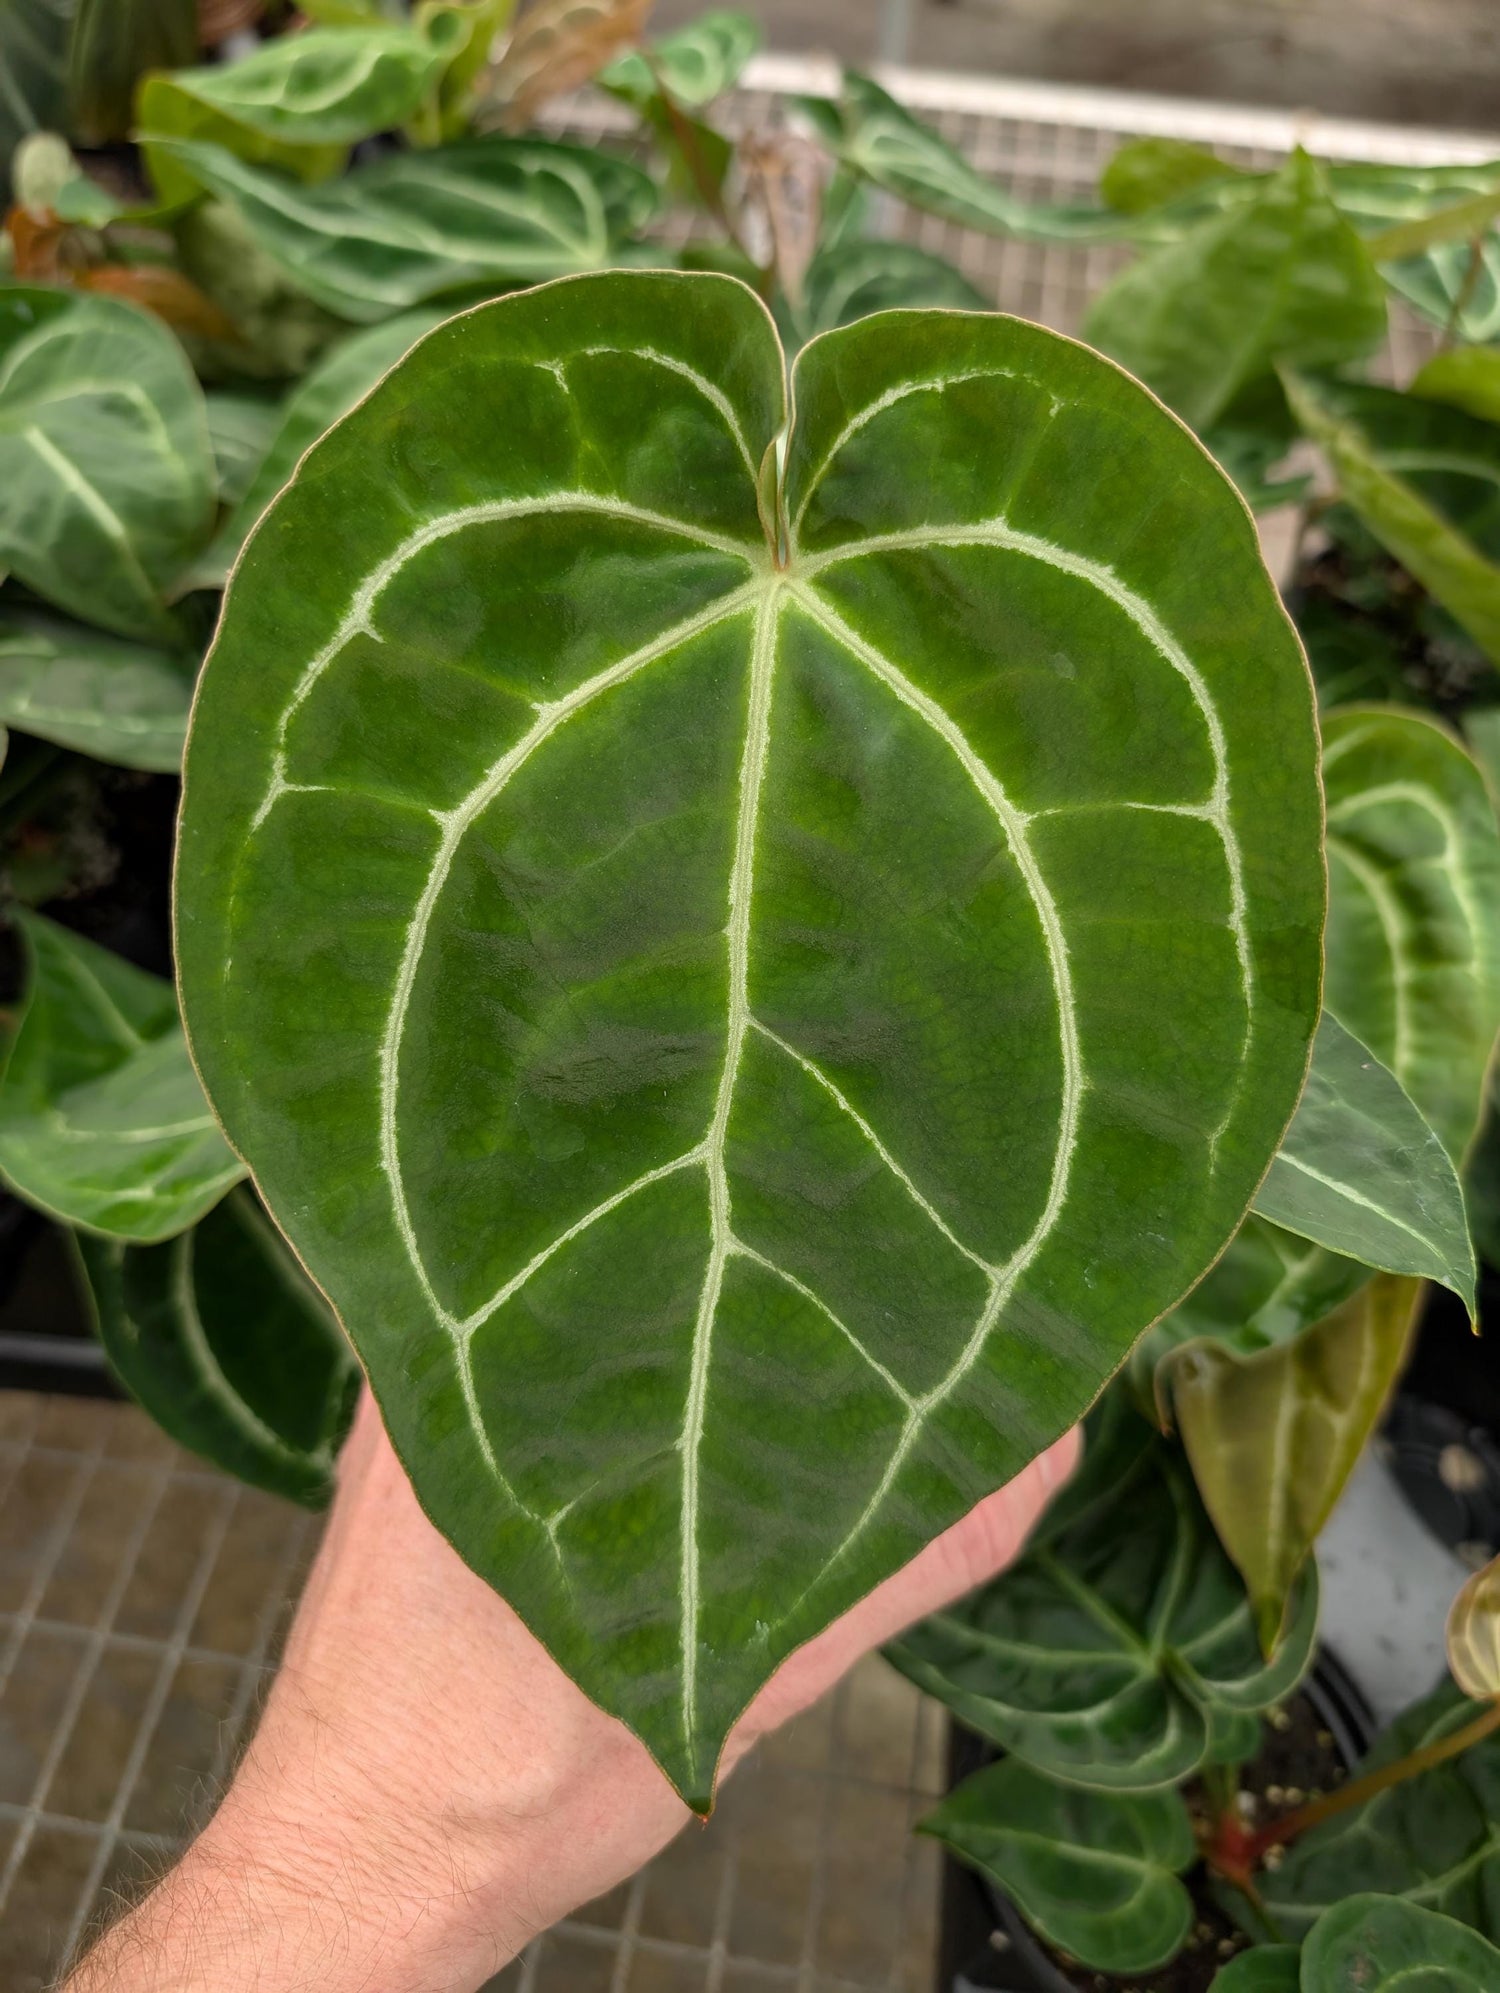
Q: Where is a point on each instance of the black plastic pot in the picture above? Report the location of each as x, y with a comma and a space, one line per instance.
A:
984, 1943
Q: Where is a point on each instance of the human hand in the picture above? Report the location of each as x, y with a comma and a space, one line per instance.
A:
427, 1790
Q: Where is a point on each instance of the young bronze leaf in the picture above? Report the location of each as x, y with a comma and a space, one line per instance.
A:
1414, 908
1095, 1873
1274, 1437
742, 1084
556, 46
1474, 1635
224, 1340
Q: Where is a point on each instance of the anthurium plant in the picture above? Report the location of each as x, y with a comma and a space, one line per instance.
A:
765, 901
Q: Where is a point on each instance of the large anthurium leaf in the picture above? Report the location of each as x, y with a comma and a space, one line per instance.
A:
1094, 1873
627, 907
1263, 1969
1425, 480
1414, 908
106, 477
416, 225
695, 64
1281, 276
1434, 1838
1274, 1437
1377, 1944
340, 378
225, 1341
1105, 1656
102, 1120
1360, 1172
115, 700
878, 138
853, 279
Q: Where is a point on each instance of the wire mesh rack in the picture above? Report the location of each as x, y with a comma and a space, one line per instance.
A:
142, 1596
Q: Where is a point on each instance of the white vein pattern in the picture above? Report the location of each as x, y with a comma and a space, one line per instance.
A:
710, 390
1354, 1196
1452, 861
1388, 912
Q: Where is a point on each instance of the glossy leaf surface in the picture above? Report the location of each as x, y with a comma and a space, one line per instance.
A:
675, 1219
1094, 1873
1105, 1656
106, 479
115, 700
1274, 1437
1434, 1838
1372, 1944
1360, 1171
102, 1120
220, 1335
340, 378
697, 63
1263, 1969
1281, 276
483, 212
1414, 908
1473, 1635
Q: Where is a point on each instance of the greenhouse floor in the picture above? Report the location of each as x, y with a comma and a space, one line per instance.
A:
142, 1598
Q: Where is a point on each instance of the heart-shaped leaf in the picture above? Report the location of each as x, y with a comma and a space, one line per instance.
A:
1094, 1873
1360, 1172
114, 700
1434, 1838
854, 279
1376, 1944
1106, 1655
482, 213
1265, 1969
1274, 1437
224, 1340
1414, 908
696, 64
1474, 1635
339, 380
106, 479
1281, 276
102, 1120
629, 903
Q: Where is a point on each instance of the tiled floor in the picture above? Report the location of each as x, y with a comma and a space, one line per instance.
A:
141, 1599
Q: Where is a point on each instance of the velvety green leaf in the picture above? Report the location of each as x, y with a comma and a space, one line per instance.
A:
1110, 1654
106, 479
857, 278
877, 137
1374, 1944
716, 811
240, 428
1263, 1969
34, 35
1149, 172
1094, 1873
102, 1120
1274, 1437
114, 44
1473, 1635
696, 64
416, 225
222, 1338
1413, 948
297, 101
338, 381
1423, 478
1434, 1839
1279, 277
1360, 1171
115, 700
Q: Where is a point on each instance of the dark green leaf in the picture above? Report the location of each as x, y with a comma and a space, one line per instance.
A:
1360, 1171
113, 45
1434, 1838
592, 938
850, 282
696, 64
1263, 1969
1278, 277
1413, 944
1149, 172
484, 212
114, 700
1096, 1874
102, 1120
1110, 1654
1375, 1944
220, 1335
106, 478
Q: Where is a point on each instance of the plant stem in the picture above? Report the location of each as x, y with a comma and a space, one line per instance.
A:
1363, 1789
